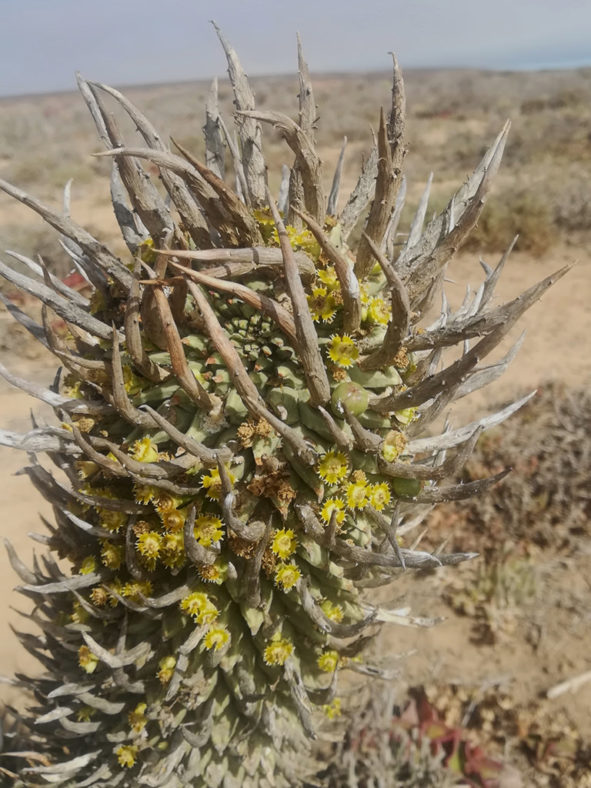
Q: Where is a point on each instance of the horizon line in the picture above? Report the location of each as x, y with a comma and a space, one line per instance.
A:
541, 67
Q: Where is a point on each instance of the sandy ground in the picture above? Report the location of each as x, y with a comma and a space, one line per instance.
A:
556, 347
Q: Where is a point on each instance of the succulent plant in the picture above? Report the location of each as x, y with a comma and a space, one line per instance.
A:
242, 421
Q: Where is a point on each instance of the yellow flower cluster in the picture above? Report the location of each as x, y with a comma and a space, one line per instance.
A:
126, 755
87, 660
343, 351
167, 666
328, 661
405, 416
333, 467
137, 718
356, 492
79, 614
86, 468
164, 502
208, 529
111, 554
284, 543
393, 445
328, 277
132, 383
333, 710
333, 505
286, 576
216, 637
85, 714
136, 590
378, 311
144, 450
379, 496
145, 493
213, 573
322, 304
357, 495
277, 651
200, 607
173, 549
149, 545
111, 520
212, 483
88, 565
331, 611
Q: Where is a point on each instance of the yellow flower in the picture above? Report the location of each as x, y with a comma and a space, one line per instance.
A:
165, 502
322, 304
333, 710
85, 714
286, 576
333, 467
212, 483
343, 351
79, 614
84, 424
88, 566
149, 545
357, 495
87, 660
126, 755
131, 382
111, 554
378, 311
167, 666
116, 587
112, 521
284, 543
86, 468
379, 496
213, 573
406, 415
328, 277
332, 612
265, 223
146, 251
144, 493
277, 652
173, 549
144, 450
72, 389
113, 589
302, 239
200, 607
173, 521
99, 596
216, 638
208, 529
328, 662
137, 718
393, 445
333, 505
133, 590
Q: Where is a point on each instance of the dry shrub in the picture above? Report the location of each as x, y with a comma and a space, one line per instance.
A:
546, 499
36, 240
572, 208
524, 213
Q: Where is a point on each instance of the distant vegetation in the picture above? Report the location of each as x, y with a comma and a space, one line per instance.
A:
542, 192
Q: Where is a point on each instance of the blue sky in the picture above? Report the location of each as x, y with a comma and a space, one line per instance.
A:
42, 42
